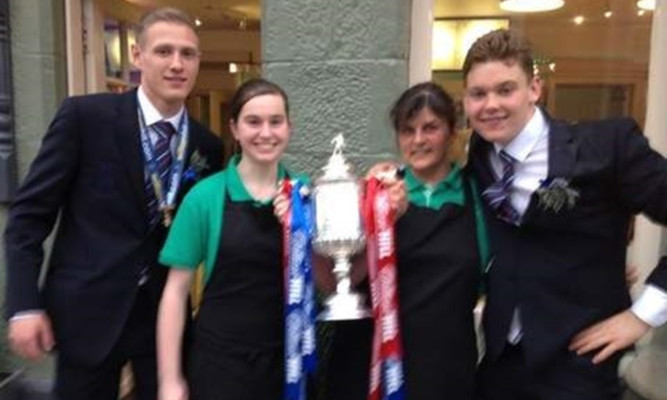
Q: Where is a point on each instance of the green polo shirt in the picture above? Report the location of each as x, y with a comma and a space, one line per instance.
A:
194, 236
449, 191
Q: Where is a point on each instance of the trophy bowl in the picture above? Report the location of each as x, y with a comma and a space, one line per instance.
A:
339, 234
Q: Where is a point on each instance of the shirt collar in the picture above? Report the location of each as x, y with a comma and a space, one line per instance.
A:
527, 139
151, 114
235, 187
452, 181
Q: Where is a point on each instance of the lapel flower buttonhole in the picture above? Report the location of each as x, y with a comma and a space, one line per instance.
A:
556, 193
196, 165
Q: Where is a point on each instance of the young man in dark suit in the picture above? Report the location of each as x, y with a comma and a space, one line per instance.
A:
113, 167
559, 198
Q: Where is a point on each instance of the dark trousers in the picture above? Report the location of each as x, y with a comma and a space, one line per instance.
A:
568, 377
101, 382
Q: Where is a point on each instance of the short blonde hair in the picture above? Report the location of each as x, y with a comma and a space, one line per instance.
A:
162, 14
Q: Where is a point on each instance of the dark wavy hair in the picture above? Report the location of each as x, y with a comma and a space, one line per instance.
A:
423, 95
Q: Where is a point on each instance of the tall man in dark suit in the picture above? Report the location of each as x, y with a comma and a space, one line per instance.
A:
113, 167
559, 198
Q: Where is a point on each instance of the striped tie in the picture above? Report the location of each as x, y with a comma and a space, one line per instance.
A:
498, 194
162, 152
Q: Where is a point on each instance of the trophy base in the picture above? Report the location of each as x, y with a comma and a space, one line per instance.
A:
341, 307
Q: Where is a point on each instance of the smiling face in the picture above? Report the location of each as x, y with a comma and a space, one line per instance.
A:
262, 129
168, 56
423, 142
500, 99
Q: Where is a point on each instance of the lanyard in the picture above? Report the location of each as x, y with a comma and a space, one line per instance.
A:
166, 200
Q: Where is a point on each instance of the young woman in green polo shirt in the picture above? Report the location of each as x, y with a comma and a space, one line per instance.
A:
227, 222
440, 245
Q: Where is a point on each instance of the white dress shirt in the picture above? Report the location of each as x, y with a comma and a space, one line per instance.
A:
152, 115
530, 150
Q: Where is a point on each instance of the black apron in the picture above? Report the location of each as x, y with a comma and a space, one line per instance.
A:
239, 332
438, 278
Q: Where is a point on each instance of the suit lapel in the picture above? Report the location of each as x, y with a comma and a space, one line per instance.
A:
193, 140
479, 157
562, 151
561, 160
129, 142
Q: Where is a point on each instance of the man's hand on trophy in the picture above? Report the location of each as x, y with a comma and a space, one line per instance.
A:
325, 280
281, 207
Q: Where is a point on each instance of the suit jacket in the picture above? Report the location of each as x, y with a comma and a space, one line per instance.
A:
565, 269
90, 172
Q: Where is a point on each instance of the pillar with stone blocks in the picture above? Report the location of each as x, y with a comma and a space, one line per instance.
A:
342, 64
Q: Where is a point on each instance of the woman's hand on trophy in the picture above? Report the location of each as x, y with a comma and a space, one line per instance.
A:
398, 197
281, 207
385, 171
391, 175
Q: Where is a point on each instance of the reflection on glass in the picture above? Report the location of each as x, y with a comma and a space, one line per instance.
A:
112, 49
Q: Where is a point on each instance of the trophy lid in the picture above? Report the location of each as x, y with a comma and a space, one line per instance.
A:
337, 167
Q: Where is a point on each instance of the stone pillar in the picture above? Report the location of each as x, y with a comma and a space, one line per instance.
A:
342, 64
647, 371
39, 84
8, 179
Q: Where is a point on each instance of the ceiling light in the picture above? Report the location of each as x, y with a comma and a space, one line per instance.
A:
646, 4
608, 14
530, 5
198, 22
640, 12
233, 68
579, 19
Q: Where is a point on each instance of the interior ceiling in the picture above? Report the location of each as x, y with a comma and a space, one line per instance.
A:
227, 14
214, 14
624, 11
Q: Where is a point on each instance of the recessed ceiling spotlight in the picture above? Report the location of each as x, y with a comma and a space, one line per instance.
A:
579, 19
198, 22
530, 5
646, 4
641, 12
608, 14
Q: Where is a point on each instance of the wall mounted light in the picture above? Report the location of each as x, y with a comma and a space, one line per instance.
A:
646, 4
452, 37
531, 5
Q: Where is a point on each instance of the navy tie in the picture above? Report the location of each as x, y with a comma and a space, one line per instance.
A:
498, 194
162, 152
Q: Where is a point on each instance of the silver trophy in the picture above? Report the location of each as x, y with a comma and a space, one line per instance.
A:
339, 232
